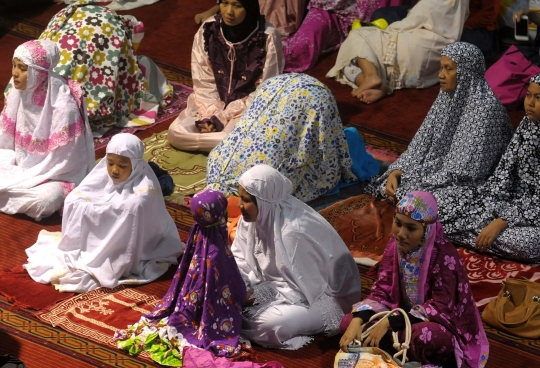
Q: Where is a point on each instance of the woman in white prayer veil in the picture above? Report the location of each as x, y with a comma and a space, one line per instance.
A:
46, 146
299, 273
115, 227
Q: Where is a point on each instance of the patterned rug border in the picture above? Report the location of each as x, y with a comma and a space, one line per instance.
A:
56, 316
27, 326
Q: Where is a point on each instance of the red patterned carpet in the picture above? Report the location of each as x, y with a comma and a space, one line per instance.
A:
169, 25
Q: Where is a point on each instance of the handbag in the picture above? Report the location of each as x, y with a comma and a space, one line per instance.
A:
516, 310
509, 77
359, 355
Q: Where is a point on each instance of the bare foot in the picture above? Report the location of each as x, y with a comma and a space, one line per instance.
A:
371, 95
371, 81
364, 82
355, 92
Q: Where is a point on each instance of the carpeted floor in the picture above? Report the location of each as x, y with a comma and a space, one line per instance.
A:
388, 125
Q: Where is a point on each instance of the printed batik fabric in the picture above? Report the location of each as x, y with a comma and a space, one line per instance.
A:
98, 50
203, 306
293, 125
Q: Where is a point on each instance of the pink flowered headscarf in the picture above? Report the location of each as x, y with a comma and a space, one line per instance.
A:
422, 207
44, 129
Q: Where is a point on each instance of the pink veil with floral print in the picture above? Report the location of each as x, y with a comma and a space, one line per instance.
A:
44, 130
443, 290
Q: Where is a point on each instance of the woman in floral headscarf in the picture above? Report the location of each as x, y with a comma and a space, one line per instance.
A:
203, 306
461, 139
422, 273
98, 49
46, 146
501, 217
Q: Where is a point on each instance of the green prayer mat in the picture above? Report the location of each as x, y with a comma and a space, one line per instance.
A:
188, 169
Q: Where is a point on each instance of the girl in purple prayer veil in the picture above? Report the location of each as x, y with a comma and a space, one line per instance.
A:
422, 273
203, 307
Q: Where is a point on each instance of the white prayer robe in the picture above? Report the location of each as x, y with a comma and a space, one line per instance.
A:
111, 234
46, 146
302, 275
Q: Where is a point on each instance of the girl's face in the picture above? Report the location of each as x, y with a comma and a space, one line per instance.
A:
408, 232
233, 12
448, 74
19, 72
532, 102
118, 167
247, 206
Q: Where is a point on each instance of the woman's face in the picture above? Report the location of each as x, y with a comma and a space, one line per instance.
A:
118, 167
247, 206
233, 12
532, 102
408, 232
448, 74
19, 72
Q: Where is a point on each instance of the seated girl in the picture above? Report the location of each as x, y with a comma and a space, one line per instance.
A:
299, 274
285, 15
233, 52
422, 273
98, 49
405, 55
326, 26
115, 227
294, 126
203, 306
461, 140
46, 146
501, 217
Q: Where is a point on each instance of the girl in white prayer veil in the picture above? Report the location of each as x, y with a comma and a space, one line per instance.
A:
115, 227
299, 273
46, 146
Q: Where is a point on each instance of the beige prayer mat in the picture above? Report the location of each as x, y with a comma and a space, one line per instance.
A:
188, 169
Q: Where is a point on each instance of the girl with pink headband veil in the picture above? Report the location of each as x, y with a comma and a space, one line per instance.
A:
46, 146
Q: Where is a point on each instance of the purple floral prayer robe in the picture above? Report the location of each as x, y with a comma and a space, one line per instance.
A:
204, 301
442, 297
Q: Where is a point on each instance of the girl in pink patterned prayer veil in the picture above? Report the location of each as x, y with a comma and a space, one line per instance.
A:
46, 146
422, 273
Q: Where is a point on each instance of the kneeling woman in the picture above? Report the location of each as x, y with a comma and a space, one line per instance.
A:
299, 274
233, 52
115, 228
46, 146
294, 126
421, 272
99, 50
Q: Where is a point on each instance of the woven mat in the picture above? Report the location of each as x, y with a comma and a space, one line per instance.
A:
364, 224
179, 103
188, 169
